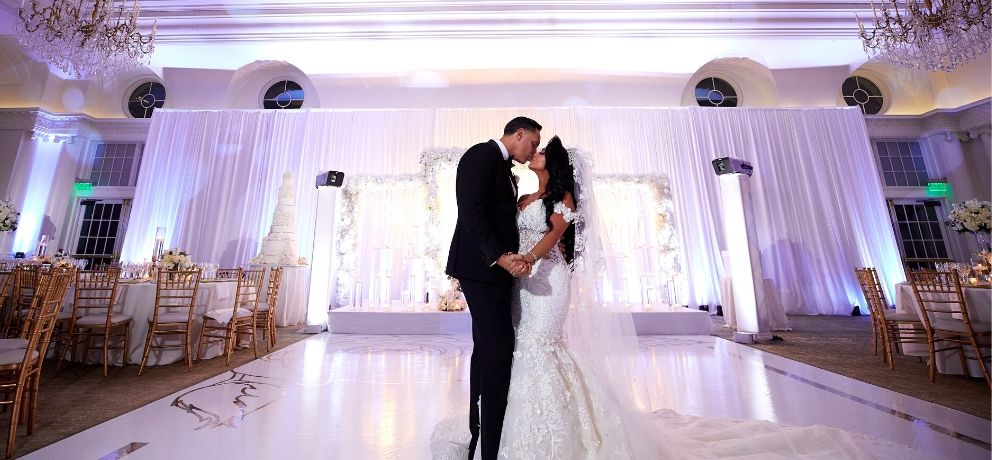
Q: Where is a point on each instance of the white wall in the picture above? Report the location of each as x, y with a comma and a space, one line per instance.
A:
10, 145
968, 83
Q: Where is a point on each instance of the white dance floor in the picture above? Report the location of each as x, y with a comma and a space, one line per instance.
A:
340, 396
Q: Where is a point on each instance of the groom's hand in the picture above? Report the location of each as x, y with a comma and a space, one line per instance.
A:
514, 264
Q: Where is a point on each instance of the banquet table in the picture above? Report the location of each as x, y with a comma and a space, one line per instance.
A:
137, 298
978, 301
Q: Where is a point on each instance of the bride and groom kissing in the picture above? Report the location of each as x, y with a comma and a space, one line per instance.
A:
515, 258
555, 370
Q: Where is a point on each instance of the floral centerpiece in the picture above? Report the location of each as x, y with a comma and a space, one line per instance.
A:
972, 216
176, 259
8, 216
453, 299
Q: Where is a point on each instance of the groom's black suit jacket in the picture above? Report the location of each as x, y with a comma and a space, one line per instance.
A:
487, 216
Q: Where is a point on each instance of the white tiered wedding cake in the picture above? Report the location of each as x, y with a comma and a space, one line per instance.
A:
279, 247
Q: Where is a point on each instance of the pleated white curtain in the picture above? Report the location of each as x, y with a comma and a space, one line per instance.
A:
209, 178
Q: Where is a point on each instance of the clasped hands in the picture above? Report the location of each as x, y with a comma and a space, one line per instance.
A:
516, 264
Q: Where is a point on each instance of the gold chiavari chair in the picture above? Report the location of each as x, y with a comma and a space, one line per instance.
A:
228, 324
947, 321
265, 319
25, 281
228, 273
6, 287
892, 328
7, 304
175, 300
94, 316
20, 369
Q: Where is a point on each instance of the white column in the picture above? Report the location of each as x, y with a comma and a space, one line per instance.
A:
745, 261
322, 260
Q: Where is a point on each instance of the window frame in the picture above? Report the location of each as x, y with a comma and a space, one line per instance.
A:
134, 87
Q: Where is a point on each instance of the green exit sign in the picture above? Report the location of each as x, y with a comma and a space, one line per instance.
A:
938, 188
84, 187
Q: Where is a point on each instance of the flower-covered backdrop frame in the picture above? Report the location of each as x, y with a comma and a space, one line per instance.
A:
371, 244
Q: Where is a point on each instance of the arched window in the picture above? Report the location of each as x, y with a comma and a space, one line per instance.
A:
284, 94
715, 92
862, 92
145, 99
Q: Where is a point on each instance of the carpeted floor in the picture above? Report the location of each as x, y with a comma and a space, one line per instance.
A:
842, 344
80, 397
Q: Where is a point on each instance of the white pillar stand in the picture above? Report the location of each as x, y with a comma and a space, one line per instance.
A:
745, 263
321, 260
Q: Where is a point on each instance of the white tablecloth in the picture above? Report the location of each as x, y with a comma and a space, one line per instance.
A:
294, 292
138, 300
978, 301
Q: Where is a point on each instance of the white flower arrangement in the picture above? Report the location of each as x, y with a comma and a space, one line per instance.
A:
971, 216
176, 259
8, 216
438, 165
453, 299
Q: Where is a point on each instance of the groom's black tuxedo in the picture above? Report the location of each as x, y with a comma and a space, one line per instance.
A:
486, 229
487, 216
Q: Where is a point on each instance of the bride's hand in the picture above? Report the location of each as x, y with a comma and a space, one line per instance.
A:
516, 264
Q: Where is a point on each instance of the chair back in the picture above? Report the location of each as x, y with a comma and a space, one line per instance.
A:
96, 293
940, 300
871, 287
249, 288
44, 314
272, 298
6, 286
176, 290
25, 282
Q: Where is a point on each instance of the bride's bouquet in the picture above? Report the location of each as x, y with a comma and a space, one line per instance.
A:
972, 216
453, 299
176, 259
8, 216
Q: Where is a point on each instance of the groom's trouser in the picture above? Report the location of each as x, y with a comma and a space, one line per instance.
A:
492, 355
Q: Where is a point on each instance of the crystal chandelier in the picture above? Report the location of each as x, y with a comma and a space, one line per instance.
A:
934, 35
86, 38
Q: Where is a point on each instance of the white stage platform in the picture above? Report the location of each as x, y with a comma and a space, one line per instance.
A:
348, 320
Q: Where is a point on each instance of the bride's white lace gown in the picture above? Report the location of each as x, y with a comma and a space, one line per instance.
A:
556, 411
550, 412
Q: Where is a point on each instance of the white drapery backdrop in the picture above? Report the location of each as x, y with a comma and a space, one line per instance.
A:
209, 178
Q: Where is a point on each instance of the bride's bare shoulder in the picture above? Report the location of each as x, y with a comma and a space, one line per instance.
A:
569, 201
522, 198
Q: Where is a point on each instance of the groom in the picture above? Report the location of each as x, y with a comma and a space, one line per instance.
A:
483, 257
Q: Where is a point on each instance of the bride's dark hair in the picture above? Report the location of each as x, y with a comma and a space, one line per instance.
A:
561, 179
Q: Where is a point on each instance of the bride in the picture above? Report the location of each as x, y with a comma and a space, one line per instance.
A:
575, 389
